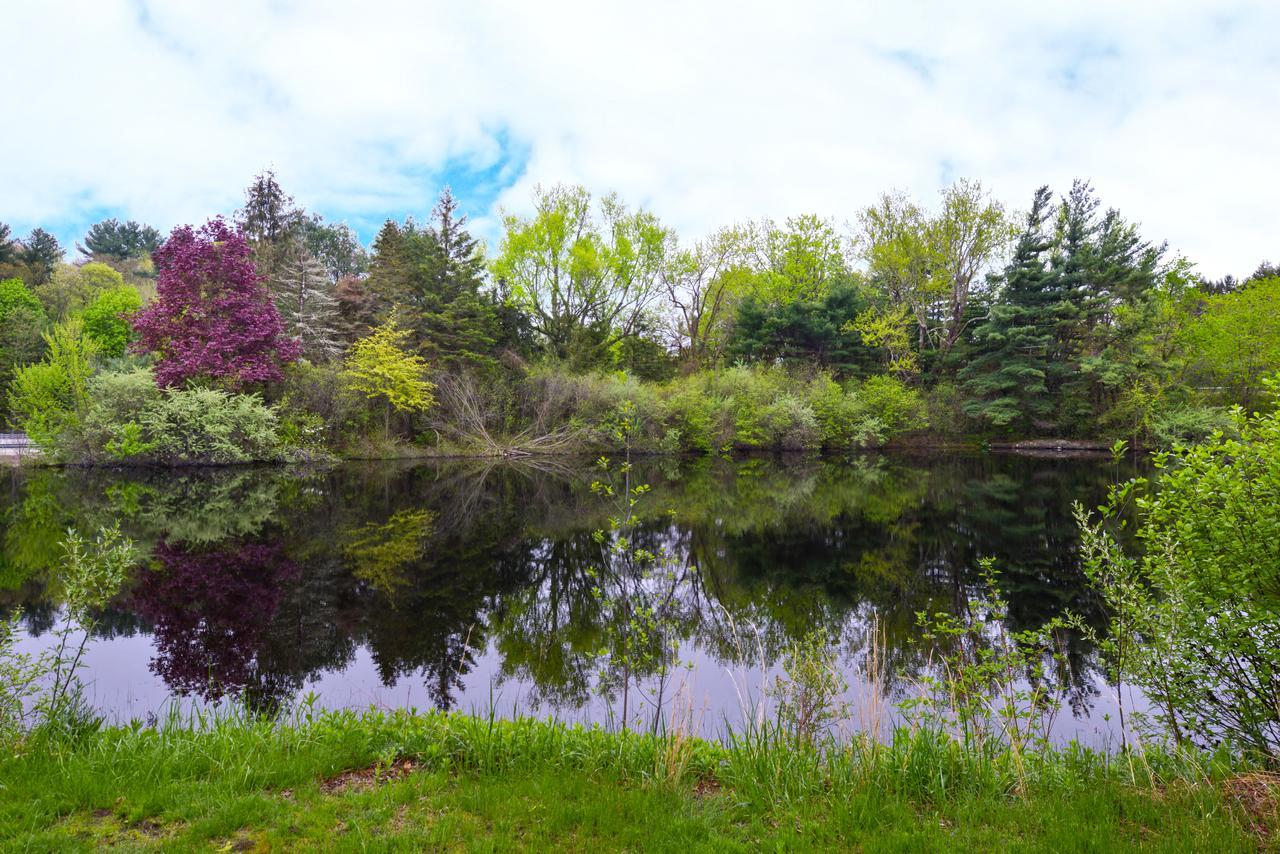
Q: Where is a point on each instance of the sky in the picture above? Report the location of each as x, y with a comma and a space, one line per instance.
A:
706, 113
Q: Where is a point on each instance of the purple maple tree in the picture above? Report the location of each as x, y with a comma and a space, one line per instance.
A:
212, 318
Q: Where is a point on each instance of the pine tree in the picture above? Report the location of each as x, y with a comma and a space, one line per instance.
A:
304, 295
119, 241
41, 252
1016, 366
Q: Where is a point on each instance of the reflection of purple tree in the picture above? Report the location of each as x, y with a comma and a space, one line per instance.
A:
211, 611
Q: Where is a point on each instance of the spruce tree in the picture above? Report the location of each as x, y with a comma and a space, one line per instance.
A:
1015, 368
1113, 285
390, 269
454, 320
41, 252
456, 264
304, 295
272, 223
269, 214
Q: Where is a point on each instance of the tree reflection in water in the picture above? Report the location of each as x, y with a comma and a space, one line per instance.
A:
263, 579
211, 611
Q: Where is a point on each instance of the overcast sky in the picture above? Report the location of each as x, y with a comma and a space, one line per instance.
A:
704, 112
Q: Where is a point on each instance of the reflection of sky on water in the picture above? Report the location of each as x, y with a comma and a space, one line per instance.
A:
464, 586
703, 691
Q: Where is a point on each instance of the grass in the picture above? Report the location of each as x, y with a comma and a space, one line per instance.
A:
400, 781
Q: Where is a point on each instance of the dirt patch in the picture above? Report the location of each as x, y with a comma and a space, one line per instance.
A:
366, 778
707, 787
1258, 795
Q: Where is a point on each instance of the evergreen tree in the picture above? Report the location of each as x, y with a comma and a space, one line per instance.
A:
7, 251
269, 214
390, 270
1071, 262
811, 331
1118, 275
1016, 367
41, 252
272, 224
304, 296
357, 312
457, 264
119, 241
455, 322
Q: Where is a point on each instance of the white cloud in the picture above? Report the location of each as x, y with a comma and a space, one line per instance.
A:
706, 112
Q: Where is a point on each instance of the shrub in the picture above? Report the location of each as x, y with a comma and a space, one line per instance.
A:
318, 397
891, 402
203, 425
692, 412
789, 424
1189, 424
1196, 615
112, 426
839, 416
130, 419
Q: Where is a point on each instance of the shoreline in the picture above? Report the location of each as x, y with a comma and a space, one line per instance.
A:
1046, 448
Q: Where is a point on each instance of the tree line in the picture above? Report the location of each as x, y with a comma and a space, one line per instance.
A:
961, 316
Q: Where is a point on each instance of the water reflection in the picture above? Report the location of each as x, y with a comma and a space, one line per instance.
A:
261, 581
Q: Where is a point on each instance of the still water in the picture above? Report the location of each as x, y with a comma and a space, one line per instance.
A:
479, 585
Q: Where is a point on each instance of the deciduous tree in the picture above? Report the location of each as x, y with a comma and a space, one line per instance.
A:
381, 367
107, 319
702, 285
585, 273
212, 320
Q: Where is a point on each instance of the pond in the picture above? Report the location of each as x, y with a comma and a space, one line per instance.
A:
479, 586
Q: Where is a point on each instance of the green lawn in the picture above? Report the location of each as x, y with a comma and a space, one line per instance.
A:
400, 782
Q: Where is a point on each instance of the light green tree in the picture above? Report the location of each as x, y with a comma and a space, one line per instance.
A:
106, 318
702, 284
49, 397
934, 262
584, 272
380, 367
1235, 341
799, 260
70, 288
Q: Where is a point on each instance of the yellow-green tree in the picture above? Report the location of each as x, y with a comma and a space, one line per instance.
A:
48, 398
379, 367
